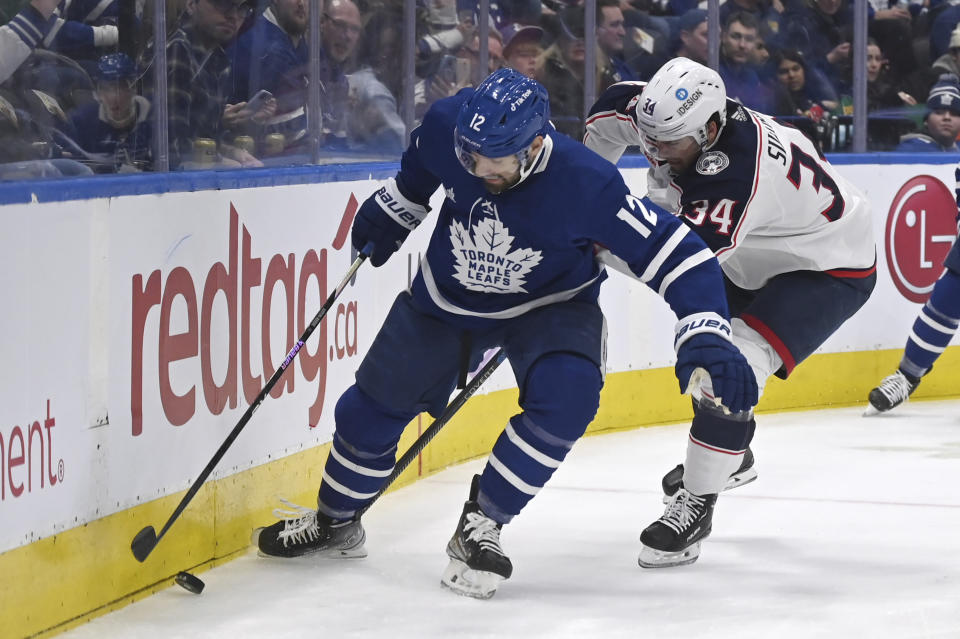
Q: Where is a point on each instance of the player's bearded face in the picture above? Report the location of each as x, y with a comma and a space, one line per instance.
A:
498, 174
679, 154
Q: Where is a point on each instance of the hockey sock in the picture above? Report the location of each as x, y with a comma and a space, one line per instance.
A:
934, 327
761, 356
362, 455
560, 399
715, 448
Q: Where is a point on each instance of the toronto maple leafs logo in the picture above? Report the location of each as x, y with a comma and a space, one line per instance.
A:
484, 256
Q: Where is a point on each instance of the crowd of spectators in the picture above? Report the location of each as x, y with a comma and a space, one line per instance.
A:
77, 76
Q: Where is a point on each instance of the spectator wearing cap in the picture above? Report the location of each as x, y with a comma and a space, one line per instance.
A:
692, 28
117, 126
521, 48
198, 83
941, 124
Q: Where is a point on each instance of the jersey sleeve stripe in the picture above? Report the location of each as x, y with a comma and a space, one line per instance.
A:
664, 253
693, 261
609, 114
753, 190
853, 273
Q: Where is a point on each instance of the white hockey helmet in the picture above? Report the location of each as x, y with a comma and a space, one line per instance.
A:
680, 99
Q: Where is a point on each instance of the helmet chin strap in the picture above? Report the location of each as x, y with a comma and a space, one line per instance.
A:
527, 163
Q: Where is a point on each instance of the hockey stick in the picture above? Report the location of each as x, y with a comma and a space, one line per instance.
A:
455, 404
147, 539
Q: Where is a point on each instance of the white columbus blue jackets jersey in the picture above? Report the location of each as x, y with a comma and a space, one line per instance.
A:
762, 197
494, 257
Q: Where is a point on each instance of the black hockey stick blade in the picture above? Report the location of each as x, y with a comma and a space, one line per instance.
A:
143, 543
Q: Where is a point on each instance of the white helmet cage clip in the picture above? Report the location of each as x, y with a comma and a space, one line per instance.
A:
679, 101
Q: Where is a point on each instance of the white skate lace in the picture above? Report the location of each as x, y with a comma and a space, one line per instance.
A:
299, 523
682, 510
896, 388
484, 531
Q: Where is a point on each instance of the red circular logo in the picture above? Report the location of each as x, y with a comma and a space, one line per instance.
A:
921, 227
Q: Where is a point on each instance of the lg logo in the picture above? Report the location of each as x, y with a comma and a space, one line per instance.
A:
920, 230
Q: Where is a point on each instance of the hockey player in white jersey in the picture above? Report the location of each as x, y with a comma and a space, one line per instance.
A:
794, 239
510, 263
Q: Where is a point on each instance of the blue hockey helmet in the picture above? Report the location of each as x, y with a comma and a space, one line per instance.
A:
506, 112
115, 67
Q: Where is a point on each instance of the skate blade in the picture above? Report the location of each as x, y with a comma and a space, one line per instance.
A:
742, 479
650, 558
463, 580
736, 481
355, 552
870, 411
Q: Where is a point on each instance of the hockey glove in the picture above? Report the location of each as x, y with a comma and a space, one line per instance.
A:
385, 219
703, 342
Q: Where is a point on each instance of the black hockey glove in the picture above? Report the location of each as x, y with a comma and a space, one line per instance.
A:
385, 219
731, 376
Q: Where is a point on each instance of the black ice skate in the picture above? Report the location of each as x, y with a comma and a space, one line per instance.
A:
892, 391
674, 539
304, 531
477, 562
673, 481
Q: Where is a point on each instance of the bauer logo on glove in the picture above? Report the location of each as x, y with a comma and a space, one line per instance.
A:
400, 214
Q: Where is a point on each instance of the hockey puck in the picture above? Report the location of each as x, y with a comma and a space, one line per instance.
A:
189, 582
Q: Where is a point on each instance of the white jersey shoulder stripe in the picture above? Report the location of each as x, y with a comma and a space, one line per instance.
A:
753, 189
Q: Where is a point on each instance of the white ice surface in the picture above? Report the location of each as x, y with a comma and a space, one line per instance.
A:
852, 530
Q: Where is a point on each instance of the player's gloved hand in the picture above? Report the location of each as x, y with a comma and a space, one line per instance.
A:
702, 343
385, 219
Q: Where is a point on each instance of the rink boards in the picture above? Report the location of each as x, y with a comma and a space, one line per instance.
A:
139, 326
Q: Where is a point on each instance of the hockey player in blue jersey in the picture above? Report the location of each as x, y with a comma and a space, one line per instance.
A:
932, 330
510, 263
794, 239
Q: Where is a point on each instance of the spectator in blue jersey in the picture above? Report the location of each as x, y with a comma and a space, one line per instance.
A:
84, 30
941, 123
932, 330
24, 32
198, 86
742, 79
273, 56
117, 127
510, 264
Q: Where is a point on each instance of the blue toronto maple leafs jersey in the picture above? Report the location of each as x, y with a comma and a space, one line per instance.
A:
497, 256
